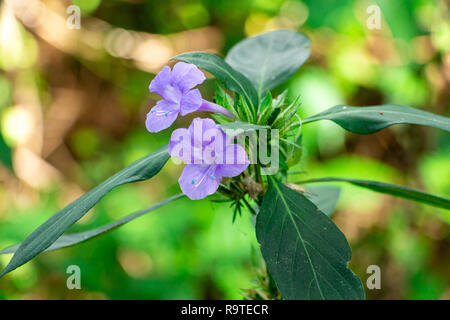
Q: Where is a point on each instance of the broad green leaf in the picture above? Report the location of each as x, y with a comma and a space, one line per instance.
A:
271, 58
245, 126
67, 240
46, 234
391, 189
366, 120
324, 197
231, 79
304, 250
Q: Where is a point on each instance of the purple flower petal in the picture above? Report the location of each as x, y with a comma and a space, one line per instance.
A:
199, 181
198, 128
190, 102
161, 116
186, 76
172, 94
203, 146
199, 144
180, 145
234, 162
161, 81
162, 85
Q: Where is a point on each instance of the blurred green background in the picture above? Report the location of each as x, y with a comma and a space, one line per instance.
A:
72, 110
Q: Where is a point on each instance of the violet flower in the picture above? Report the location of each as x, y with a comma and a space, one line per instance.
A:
209, 156
176, 88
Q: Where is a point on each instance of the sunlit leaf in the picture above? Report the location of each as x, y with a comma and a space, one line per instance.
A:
366, 120
304, 250
271, 58
46, 234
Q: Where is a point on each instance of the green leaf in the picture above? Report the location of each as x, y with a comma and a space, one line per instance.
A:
46, 234
391, 189
304, 250
324, 197
245, 126
366, 120
271, 58
231, 79
67, 240
5, 153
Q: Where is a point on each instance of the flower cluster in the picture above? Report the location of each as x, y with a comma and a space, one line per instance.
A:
207, 151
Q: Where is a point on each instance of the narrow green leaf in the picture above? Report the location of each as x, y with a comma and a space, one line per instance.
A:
324, 197
304, 250
266, 102
391, 189
231, 79
271, 58
223, 99
67, 240
366, 120
46, 234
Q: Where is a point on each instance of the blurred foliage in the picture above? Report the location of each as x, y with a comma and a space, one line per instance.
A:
72, 110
